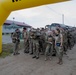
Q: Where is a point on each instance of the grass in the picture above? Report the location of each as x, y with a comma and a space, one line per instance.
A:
4, 54
8, 49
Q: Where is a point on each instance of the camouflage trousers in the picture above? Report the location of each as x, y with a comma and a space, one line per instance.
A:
26, 45
48, 51
42, 46
59, 51
65, 46
31, 46
36, 48
16, 47
69, 43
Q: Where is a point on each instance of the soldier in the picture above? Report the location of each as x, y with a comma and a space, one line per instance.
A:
65, 39
53, 35
49, 47
16, 41
31, 34
26, 40
64, 33
74, 36
36, 38
42, 41
69, 36
59, 45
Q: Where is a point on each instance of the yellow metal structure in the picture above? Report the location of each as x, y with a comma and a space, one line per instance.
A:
7, 6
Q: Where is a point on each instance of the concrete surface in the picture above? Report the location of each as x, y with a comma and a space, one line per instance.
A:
23, 64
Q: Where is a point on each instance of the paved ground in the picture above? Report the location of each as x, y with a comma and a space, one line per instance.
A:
23, 64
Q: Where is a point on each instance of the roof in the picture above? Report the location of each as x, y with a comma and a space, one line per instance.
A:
9, 22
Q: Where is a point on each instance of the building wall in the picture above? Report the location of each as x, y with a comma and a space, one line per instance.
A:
7, 30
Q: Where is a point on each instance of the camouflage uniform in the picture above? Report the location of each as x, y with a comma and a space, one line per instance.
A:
49, 47
58, 48
36, 48
16, 41
31, 43
42, 42
69, 36
72, 39
26, 41
65, 41
75, 36
36, 45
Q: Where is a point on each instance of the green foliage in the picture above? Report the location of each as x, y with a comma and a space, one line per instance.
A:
4, 54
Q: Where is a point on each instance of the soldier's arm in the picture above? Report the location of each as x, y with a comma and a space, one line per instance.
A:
14, 36
61, 40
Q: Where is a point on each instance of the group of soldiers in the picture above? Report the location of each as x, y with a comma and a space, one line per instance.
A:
45, 42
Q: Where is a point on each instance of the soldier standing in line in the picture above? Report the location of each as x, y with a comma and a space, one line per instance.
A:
74, 35
59, 45
26, 40
36, 38
31, 34
69, 36
49, 47
42, 41
64, 33
16, 41
73, 38
65, 39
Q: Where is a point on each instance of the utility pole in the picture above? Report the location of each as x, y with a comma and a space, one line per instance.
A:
13, 19
63, 19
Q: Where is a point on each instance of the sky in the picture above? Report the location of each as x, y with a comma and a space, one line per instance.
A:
47, 14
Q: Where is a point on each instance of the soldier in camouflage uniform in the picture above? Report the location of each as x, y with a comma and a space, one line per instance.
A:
65, 39
74, 32
64, 33
42, 41
26, 40
69, 36
31, 42
35, 36
72, 38
49, 47
59, 45
16, 41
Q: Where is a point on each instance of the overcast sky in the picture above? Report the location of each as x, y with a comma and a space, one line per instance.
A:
47, 14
